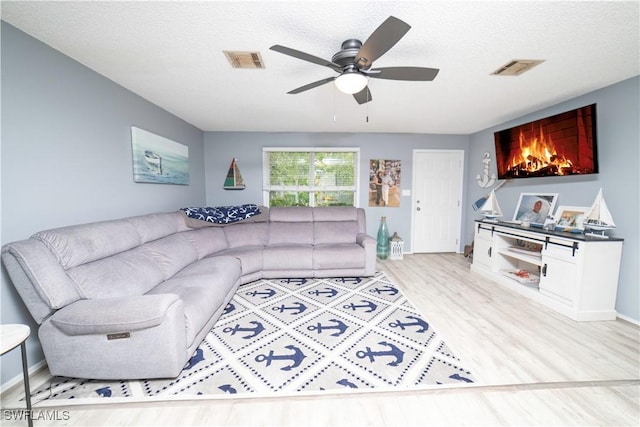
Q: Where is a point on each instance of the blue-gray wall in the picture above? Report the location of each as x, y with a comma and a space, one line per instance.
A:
66, 159
66, 156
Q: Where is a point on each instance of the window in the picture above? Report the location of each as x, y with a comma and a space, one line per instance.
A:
310, 176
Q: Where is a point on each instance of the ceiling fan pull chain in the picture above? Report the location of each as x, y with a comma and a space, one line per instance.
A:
334, 104
368, 99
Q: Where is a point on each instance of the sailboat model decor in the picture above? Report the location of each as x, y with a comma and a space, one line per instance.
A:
491, 208
598, 217
233, 181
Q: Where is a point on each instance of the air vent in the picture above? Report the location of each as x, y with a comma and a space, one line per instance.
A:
244, 59
517, 67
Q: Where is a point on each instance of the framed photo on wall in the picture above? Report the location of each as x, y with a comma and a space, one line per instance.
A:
534, 207
157, 159
384, 183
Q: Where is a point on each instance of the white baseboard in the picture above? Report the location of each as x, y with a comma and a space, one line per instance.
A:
628, 319
19, 378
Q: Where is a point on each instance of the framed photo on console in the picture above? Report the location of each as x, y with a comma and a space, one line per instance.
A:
534, 207
570, 218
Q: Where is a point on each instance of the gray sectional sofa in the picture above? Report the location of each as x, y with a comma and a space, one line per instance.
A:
134, 297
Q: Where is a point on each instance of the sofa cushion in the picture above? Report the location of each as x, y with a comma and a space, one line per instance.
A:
154, 226
136, 271
204, 266
337, 256
290, 233
207, 241
335, 213
202, 287
335, 232
288, 257
250, 257
84, 243
171, 254
126, 274
251, 234
80, 244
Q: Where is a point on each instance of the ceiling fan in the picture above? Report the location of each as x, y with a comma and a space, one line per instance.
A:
353, 62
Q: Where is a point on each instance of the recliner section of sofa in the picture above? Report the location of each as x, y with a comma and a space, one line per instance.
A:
134, 297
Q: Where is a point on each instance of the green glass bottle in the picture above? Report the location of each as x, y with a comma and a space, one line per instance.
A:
384, 247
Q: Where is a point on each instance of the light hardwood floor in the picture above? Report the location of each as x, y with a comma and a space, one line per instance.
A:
532, 366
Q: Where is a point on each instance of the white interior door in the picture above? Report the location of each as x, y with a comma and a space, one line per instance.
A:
437, 200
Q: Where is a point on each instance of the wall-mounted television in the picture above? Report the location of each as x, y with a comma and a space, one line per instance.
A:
564, 144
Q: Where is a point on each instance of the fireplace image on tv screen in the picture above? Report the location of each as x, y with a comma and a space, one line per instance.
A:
564, 144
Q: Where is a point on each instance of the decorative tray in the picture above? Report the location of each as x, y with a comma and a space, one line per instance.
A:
522, 276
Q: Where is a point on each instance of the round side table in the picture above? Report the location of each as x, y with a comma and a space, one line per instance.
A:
12, 336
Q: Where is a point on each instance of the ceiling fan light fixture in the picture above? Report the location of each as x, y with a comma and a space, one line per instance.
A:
351, 82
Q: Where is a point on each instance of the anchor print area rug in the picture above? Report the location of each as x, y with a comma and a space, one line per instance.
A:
293, 336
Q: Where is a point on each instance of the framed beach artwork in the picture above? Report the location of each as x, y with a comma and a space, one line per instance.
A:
384, 183
570, 218
535, 207
157, 159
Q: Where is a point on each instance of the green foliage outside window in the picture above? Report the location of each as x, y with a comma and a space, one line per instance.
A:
311, 178
288, 198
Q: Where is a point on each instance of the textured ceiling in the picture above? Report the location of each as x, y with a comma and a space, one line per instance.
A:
171, 53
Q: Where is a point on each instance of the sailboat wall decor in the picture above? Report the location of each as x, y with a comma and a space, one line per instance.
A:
491, 208
482, 200
598, 217
234, 181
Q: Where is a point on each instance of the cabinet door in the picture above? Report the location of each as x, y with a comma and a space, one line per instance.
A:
558, 278
482, 251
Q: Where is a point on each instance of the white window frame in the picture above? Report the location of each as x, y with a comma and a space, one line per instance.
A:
267, 187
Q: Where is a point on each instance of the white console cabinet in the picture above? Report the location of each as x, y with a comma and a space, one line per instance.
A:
571, 273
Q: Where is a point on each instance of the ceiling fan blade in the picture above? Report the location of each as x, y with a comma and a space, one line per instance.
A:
416, 74
311, 85
380, 41
305, 57
363, 96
